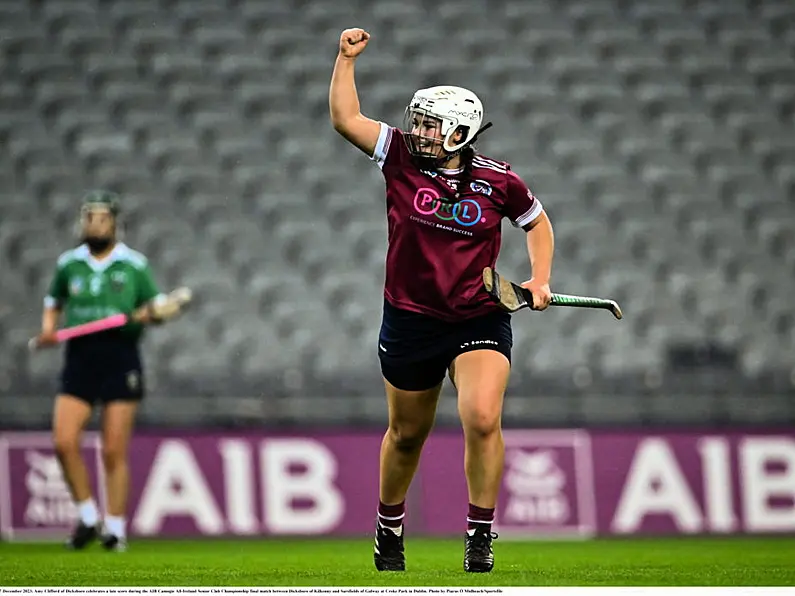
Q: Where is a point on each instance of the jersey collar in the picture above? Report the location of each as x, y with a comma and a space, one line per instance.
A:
119, 253
451, 172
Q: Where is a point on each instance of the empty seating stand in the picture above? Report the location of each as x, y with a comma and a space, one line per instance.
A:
659, 135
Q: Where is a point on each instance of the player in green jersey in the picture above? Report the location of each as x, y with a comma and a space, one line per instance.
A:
99, 278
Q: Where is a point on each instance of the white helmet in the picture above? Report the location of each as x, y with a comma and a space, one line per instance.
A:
454, 106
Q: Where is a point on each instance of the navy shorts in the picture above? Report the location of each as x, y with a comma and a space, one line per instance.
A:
416, 350
102, 369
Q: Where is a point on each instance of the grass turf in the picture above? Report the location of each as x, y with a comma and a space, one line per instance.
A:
430, 562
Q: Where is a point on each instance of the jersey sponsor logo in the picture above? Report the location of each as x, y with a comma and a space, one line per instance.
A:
117, 280
451, 183
75, 286
479, 342
95, 285
467, 212
94, 312
481, 187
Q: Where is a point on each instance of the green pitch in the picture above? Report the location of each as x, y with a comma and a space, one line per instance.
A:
686, 561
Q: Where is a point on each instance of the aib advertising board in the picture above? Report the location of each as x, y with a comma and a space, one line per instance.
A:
557, 483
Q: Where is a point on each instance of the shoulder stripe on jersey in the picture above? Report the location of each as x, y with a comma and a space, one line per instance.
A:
480, 163
489, 167
79, 253
125, 254
137, 259
491, 161
66, 257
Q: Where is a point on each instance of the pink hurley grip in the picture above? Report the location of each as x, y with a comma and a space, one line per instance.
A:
110, 322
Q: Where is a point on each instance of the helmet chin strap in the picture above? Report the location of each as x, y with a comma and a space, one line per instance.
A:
483, 129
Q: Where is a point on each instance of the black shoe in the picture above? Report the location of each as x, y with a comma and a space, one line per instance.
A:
81, 536
478, 554
113, 543
388, 550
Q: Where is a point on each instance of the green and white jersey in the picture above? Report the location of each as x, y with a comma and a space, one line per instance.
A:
87, 289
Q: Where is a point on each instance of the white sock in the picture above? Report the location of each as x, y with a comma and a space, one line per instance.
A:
89, 514
116, 525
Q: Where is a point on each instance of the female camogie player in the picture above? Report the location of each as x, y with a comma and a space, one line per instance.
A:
444, 203
99, 278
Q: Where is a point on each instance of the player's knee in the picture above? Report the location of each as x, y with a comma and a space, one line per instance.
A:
65, 445
481, 421
408, 438
113, 456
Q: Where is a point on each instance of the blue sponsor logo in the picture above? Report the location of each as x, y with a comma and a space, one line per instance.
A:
481, 187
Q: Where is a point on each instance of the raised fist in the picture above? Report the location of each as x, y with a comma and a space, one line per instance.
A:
353, 42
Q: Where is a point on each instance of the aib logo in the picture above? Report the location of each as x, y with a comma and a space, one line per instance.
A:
465, 213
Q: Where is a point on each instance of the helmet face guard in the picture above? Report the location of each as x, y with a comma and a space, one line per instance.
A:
424, 137
96, 203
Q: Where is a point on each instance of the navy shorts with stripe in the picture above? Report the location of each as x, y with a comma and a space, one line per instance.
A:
416, 350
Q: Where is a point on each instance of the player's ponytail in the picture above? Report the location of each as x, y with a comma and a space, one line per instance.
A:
468, 153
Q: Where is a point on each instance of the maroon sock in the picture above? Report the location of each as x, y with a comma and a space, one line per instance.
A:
479, 517
391, 516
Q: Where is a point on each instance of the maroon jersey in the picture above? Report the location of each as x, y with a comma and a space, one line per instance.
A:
437, 252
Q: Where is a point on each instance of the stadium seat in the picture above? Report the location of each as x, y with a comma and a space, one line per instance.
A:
658, 135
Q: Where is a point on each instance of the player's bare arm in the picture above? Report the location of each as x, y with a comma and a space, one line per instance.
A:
540, 247
344, 108
49, 325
